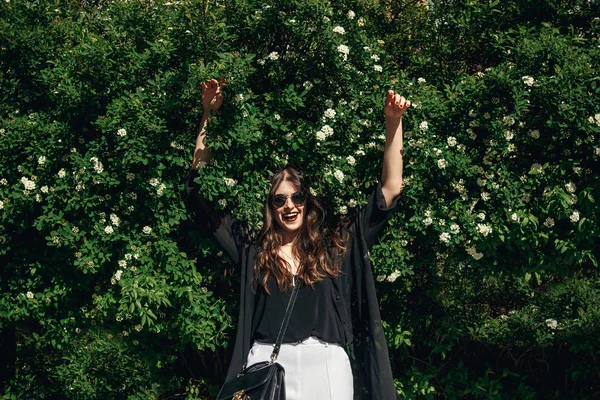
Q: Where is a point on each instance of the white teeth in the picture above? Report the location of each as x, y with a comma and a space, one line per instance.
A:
290, 215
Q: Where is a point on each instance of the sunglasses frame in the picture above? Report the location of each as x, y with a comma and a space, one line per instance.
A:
285, 197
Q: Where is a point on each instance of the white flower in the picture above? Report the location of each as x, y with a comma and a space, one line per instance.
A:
329, 113
551, 323
222, 203
339, 175
509, 135
1, 204
230, 182
375, 57
114, 219
421, 81
327, 130
441, 163
154, 182
380, 278
44, 189
380, 42
118, 275
393, 276
351, 14
361, 21
321, 136
351, 160
28, 184
378, 68
122, 132
344, 51
326, 19
3, 182
277, 117
575, 216
62, 173
122, 263
238, 98
571, 188
451, 141
30, 295
343, 210
454, 228
485, 196
484, 229
537, 168
515, 217
528, 80
427, 221
534, 134
308, 85
352, 203
481, 216
147, 230
340, 30
108, 229
273, 55
161, 189
424, 126
508, 120
138, 328
42, 160
445, 237
549, 222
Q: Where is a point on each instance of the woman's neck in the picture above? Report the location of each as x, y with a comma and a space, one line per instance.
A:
287, 239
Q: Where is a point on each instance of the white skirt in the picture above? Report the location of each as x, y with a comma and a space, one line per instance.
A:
314, 369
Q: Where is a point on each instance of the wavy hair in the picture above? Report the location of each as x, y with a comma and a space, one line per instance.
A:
312, 244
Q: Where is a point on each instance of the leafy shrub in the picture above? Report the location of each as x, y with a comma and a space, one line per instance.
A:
487, 274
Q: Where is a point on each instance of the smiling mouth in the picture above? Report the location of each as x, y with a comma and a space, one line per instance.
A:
290, 217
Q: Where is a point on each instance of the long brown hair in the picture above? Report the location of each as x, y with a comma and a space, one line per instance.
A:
311, 244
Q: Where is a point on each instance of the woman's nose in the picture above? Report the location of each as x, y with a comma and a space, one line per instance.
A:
289, 204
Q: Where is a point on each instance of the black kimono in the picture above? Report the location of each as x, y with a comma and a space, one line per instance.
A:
354, 294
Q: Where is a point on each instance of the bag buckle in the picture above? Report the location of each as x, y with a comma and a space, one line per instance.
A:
240, 395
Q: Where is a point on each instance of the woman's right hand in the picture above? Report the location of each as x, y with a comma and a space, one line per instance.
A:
212, 97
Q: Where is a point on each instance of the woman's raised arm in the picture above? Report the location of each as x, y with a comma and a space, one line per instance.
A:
391, 175
212, 99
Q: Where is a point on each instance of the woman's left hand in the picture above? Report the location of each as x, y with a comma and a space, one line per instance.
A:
395, 105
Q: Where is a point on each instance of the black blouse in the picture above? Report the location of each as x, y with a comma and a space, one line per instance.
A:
313, 313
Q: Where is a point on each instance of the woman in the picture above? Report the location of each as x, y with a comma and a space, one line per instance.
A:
336, 316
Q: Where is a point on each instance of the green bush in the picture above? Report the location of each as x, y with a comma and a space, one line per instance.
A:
487, 276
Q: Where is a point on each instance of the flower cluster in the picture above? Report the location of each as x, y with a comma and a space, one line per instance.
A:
28, 183
344, 51
325, 132
98, 167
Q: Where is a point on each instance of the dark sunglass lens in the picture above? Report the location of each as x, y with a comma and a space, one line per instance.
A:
299, 198
279, 200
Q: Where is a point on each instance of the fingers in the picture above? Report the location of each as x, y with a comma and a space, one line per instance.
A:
213, 85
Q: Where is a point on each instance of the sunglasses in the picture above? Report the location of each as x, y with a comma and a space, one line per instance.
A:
279, 200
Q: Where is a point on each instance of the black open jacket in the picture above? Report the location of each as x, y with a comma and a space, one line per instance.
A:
355, 298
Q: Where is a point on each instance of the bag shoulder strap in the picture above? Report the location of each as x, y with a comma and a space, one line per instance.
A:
286, 320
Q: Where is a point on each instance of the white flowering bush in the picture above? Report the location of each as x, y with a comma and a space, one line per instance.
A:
108, 287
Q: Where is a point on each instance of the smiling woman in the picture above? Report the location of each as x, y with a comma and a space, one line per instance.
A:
336, 313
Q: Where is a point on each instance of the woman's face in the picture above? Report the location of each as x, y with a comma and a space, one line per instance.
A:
290, 216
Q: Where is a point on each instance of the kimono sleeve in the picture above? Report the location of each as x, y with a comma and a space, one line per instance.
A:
224, 228
372, 219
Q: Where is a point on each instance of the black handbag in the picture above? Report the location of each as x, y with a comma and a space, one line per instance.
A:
263, 380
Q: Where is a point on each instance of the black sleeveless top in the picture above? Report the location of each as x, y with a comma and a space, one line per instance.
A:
313, 313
